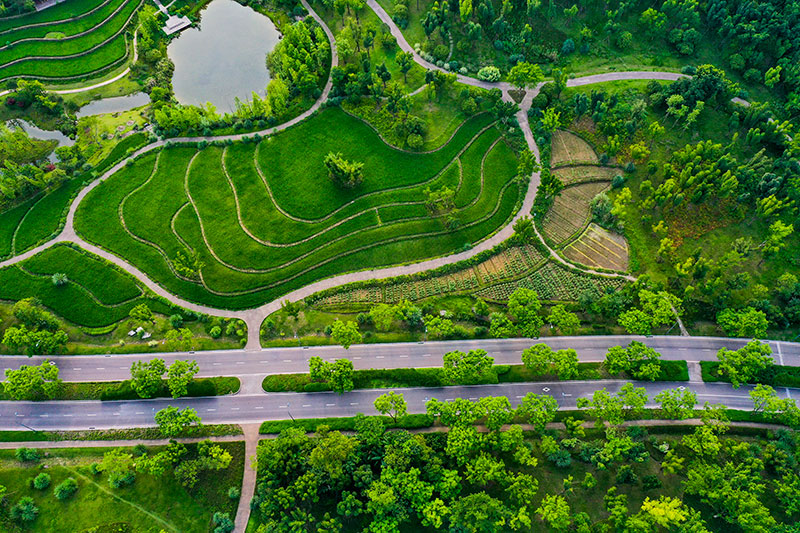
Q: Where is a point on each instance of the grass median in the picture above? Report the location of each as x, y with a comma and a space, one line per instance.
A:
773, 375
434, 377
122, 390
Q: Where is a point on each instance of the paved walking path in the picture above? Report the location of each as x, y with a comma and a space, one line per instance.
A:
251, 438
255, 316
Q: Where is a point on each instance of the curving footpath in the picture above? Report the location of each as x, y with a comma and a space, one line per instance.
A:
254, 317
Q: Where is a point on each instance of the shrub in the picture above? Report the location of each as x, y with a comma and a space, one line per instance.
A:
215, 332
66, 489
139, 450
490, 74
24, 510
414, 141
223, 522
441, 52
59, 279
42, 481
234, 493
650, 482
176, 321
27, 455
617, 182
625, 474
568, 47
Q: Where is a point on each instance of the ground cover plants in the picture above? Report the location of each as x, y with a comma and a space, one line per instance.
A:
86, 45
142, 501
101, 305
246, 222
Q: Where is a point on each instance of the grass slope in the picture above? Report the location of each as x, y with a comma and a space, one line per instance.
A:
292, 226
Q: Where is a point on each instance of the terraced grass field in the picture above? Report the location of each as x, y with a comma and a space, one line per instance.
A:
264, 218
96, 294
88, 38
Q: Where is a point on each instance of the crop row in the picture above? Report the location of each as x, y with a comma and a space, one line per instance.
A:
552, 282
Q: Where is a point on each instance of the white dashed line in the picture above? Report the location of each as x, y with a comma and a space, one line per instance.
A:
306, 405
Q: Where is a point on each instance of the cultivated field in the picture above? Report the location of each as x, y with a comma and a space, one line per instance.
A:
89, 37
584, 173
263, 220
599, 248
552, 282
568, 148
570, 212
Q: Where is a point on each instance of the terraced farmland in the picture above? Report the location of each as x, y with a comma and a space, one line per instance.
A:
568, 148
599, 248
263, 220
570, 212
89, 38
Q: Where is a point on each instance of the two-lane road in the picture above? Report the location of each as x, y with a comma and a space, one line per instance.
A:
253, 408
242, 363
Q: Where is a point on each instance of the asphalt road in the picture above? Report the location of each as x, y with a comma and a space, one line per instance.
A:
241, 363
253, 405
251, 408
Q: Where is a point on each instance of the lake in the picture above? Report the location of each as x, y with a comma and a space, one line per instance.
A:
224, 57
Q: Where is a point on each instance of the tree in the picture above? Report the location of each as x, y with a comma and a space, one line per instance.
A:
748, 323
392, 404
32, 382
118, 465
677, 404
555, 511
500, 327
180, 375
538, 410
564, 321
658, 309
338, 375
146, 377
59, 279
341, 376
538, 358
566, 363
468, 368
173, 421
523, 230
638, 360
141, 313
524, 306
384, 316
344, 173
34, 342
438, 327
345, 333
525, 75
405, 60
613, 409
776, 241
478, 513
180, 340
744, 364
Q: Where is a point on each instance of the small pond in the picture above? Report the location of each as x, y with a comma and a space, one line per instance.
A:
224, 57
114, 105
38, 133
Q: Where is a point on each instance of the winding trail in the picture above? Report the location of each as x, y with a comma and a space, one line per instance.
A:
254, 317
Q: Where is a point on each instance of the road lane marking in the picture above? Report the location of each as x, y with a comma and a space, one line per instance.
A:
356, 358
76, 368
379, 357
68, 416
139, 412
403, 357
91, 414
234, 408
239, 362
210, 410
306, 405
216, 364
287, 360
258, 407
329, 404
353, 403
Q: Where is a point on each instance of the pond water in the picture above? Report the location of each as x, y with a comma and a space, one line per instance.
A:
114, 105
224, 57
39, 133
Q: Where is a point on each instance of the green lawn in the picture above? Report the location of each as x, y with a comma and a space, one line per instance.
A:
293, 225
149, 505
99, 35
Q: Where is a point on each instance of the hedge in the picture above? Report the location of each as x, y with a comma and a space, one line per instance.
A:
344, 423
773, 375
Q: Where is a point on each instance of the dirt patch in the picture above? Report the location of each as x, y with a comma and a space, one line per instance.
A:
569, 148
570, 212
